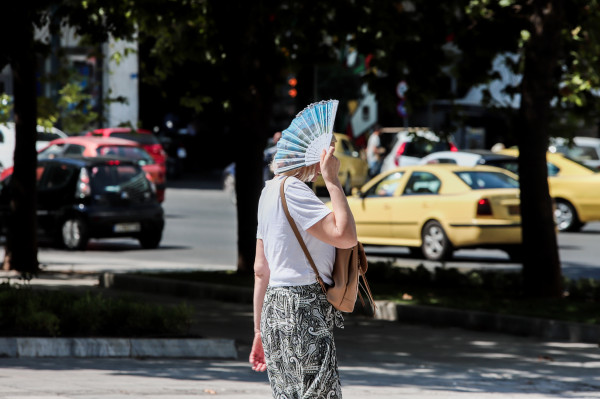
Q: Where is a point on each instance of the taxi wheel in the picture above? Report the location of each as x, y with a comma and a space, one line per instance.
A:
566, 216
150, 240
74, 233
436, 245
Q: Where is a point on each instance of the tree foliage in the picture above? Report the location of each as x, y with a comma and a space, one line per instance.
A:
229, 58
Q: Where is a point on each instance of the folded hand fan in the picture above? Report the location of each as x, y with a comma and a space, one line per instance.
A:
309, 134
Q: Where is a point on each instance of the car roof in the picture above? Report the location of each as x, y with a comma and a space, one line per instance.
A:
96, 141
88, 161
109, 130
485, 154
447, 168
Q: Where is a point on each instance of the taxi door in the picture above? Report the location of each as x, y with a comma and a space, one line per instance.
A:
414, 204
372, 210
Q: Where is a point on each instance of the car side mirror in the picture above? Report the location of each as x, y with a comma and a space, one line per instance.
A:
356, 192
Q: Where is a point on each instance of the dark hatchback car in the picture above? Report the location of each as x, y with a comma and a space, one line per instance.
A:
83, 198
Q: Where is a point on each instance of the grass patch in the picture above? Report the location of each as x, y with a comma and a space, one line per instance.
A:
48, 313
487, 291
227, 277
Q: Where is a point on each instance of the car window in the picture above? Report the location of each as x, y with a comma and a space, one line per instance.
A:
52, 151
1, 137
134, 153
422, 183
74, 149
142, 138
116, 178
579, 153
56, 176
386, 187
349, 149
512, 166
553, 170
423, 147
484, 180
346, 148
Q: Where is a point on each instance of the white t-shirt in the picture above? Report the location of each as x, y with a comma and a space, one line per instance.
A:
287, 262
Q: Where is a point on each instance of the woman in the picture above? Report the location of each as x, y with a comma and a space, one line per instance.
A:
293, 322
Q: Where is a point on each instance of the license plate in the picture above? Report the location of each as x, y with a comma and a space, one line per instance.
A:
514, 209
126, 227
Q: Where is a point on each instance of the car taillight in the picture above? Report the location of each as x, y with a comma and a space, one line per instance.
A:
453, 147
399, 153
484, 208
83, 185
152, 185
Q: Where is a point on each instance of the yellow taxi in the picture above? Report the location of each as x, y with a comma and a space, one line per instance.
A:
353, 168
575, 189
435, 209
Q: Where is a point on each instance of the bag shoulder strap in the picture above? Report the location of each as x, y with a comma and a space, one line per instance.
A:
297, 234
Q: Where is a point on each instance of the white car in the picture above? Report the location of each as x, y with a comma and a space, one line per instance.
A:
583, 149
7, 141
473, 158
408, 145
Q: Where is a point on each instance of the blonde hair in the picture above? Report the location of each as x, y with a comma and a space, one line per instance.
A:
305, 173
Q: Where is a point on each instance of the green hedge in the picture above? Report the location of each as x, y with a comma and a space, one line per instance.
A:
30, 312
484, 290
489, 291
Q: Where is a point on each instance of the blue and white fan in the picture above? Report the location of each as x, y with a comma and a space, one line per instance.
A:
309, 134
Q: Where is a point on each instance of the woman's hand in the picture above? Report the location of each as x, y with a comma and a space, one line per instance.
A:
330, 165
257, 354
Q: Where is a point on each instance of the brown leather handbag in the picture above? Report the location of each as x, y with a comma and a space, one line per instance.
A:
350, 264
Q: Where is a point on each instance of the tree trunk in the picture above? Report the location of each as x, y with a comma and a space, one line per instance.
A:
541, 263
21, 240
248, 42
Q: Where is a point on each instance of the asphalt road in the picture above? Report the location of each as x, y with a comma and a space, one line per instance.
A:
201, 233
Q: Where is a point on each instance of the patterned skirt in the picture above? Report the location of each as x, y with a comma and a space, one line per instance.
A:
297, 335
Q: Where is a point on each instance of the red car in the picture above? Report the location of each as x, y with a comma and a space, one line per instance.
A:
144, 137
94, 146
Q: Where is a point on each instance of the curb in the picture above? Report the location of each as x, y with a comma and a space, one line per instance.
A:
484, 321
437, 316
118, 347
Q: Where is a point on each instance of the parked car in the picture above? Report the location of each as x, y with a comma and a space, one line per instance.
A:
583, 149
473, 158
144, 137
406, 146
7, 141
436, 209
353, 168
83, 198
98, 146
574, 188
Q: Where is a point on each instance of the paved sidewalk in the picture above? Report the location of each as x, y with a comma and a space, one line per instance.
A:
378, 359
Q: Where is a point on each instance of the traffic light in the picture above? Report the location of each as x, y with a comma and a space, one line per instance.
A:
292, 82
